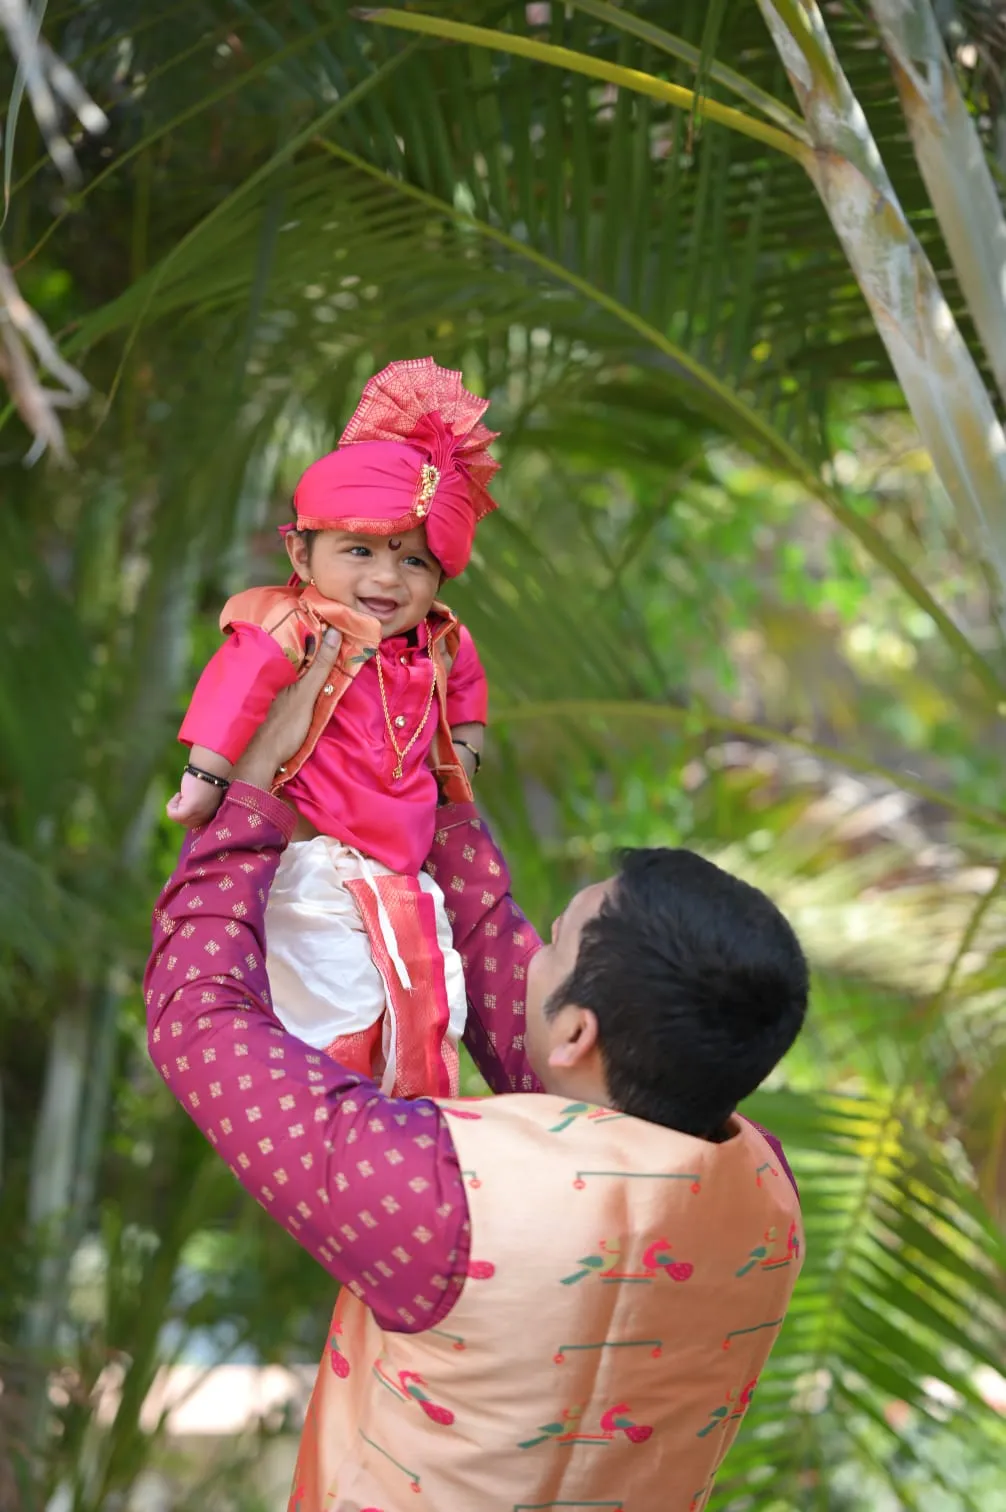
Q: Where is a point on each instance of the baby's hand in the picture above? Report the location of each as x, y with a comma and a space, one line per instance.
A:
195, 803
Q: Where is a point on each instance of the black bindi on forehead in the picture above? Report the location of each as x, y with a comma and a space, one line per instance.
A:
394, 544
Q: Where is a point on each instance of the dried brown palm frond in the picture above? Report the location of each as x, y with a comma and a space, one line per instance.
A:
27, 350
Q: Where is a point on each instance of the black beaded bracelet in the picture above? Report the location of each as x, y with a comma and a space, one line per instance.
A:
210, 777
469, 747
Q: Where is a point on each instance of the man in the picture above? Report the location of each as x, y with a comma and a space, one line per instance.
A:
557, 1300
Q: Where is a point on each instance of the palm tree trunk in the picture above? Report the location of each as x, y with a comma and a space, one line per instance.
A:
940, 380
949, 153
78, 1086
52, 1180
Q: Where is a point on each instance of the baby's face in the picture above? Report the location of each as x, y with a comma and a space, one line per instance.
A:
392, 578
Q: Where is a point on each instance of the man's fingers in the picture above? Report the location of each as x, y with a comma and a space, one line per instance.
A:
323, 661
286, 726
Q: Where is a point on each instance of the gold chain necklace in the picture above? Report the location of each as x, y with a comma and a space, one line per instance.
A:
402, 751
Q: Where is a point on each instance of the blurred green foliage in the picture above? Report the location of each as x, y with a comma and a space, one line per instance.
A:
685, 646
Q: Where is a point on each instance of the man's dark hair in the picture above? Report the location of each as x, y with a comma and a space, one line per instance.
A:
698, 984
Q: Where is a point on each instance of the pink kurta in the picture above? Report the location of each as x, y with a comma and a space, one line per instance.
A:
346, 788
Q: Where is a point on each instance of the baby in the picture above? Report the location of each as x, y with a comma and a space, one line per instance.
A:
360, 956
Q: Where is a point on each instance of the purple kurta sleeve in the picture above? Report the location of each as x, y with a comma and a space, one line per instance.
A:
495, 942
367, 1184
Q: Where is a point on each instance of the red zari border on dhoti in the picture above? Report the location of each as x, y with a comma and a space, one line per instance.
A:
426, 1061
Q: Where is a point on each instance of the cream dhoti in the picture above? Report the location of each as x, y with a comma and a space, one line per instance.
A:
362, 966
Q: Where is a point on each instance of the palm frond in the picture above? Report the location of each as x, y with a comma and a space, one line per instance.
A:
899, 1304
290, 196
42, 925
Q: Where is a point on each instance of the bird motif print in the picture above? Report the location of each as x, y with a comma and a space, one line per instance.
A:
409, 1386
768, 1257
735, 1407
574, 1110
562, 1432
607, 1264
336, 1358
569, 1428
412, 1384
617, 1420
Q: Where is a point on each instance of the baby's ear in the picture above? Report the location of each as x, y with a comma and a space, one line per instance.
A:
299, 552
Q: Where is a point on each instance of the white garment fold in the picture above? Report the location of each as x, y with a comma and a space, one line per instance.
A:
323, 979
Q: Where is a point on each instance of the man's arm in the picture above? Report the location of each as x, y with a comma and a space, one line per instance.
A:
494, 940
367, 1184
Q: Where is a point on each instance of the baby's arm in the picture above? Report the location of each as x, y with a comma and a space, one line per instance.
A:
467, 703
468, 742
197, 800
230, 701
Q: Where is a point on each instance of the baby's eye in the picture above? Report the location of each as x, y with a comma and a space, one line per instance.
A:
359, 550
415, 561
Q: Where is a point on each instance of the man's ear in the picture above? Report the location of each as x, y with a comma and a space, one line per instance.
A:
299, 553
576, 1037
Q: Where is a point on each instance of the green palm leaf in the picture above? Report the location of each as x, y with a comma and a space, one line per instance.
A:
901, 1287
295, 196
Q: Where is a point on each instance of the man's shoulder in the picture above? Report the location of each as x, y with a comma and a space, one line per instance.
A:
774, 1145
561, 1123
555, 1123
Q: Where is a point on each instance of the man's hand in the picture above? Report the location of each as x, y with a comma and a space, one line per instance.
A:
284, 729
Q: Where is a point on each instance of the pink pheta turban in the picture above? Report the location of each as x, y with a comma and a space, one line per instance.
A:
414, 453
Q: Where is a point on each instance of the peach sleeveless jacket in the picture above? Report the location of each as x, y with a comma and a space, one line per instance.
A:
625, 1288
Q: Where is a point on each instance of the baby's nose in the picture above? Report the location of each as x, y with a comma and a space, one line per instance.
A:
385, 570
